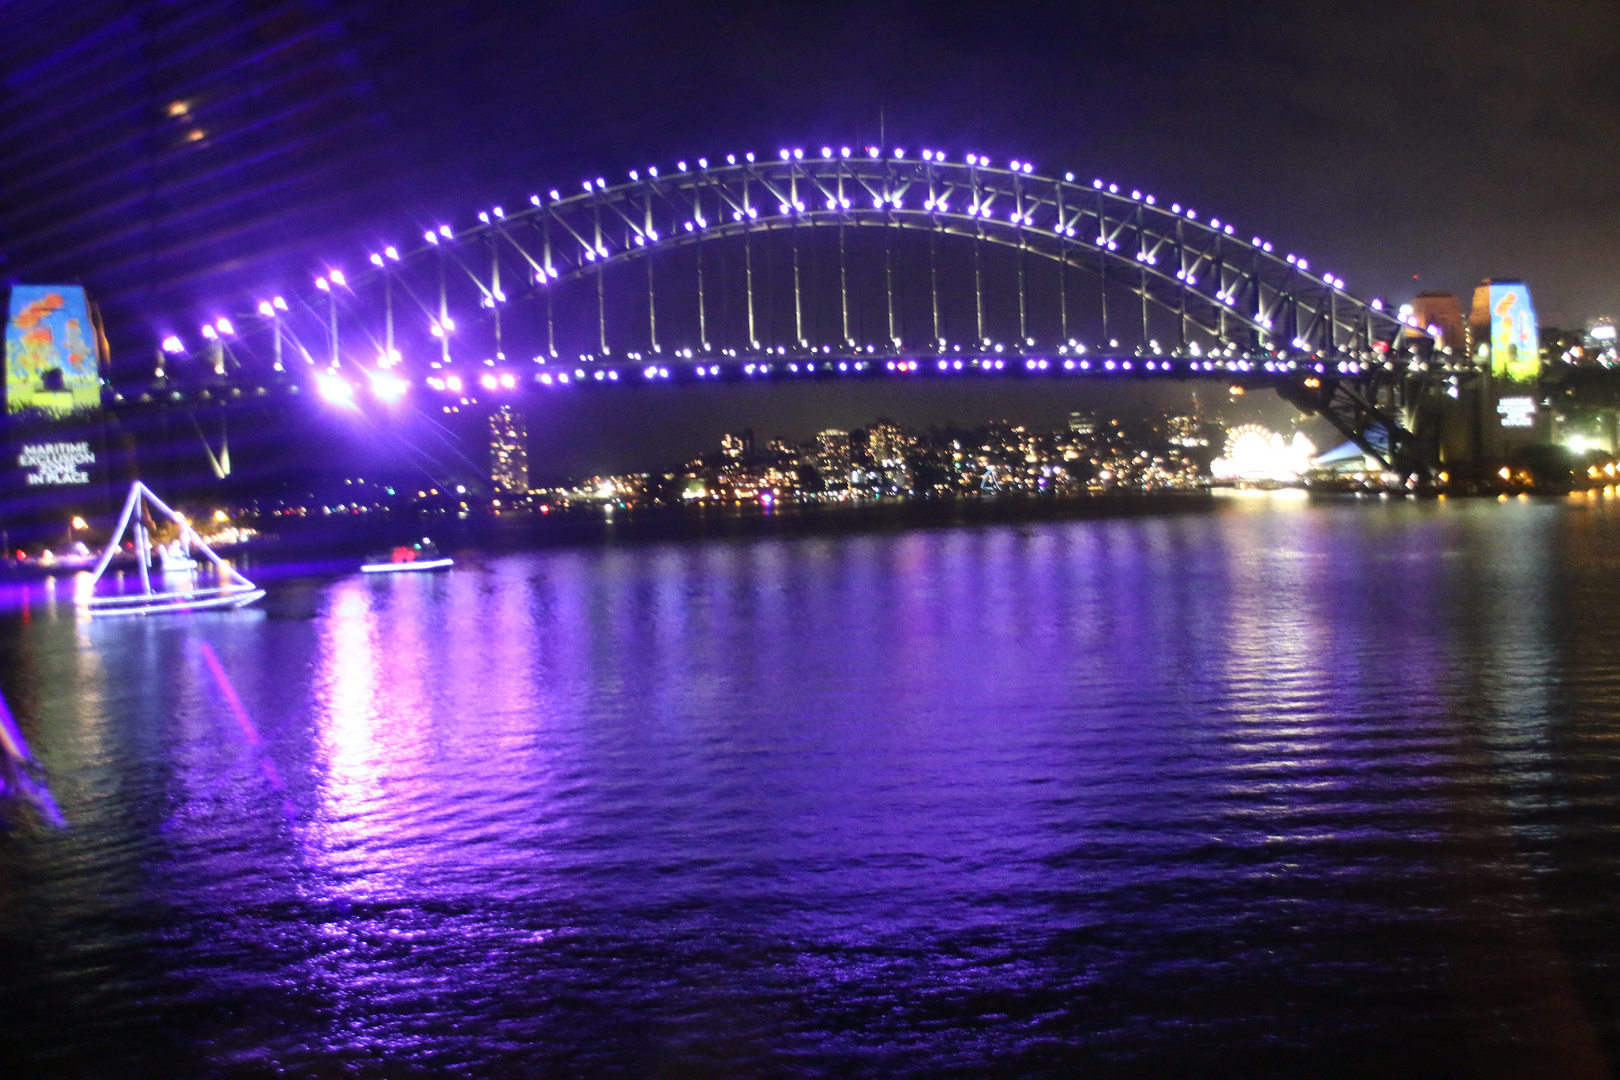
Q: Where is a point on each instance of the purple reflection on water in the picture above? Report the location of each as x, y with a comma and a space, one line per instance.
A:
1124, 796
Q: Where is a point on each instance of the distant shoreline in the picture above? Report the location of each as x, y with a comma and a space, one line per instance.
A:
584, 527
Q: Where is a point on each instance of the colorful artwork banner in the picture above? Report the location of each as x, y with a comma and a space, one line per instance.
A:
53, 368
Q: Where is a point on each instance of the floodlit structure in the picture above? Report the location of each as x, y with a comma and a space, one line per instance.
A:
175, 591
1257, 455
509, 449
834, 263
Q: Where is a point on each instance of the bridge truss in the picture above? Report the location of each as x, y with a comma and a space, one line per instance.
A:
830, 263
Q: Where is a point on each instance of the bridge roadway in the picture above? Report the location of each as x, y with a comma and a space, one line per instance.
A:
1354, 395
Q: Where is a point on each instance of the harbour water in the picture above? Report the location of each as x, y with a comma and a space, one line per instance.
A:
1280, 789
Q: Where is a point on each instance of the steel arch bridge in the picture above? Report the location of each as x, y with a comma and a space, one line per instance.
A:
724, 270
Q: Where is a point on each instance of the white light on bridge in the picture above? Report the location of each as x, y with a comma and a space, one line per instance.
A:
334, 389
388, 387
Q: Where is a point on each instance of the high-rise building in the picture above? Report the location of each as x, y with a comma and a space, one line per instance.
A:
886, 444
508, 450
833, 458
1503, 326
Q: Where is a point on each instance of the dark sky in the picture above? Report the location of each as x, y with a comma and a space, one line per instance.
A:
1419, 144
1450, 139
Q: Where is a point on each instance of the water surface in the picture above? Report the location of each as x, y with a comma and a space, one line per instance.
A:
1282, 789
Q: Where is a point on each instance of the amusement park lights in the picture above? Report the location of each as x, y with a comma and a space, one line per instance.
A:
173, 345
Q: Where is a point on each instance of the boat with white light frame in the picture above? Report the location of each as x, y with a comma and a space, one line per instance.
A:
409, 558
234, 592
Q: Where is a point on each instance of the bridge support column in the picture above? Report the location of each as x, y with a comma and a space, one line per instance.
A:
703, 320
652, 307
798, 301
888, 285
978, 286
933, 285
843, 286
1023, 301
748, 275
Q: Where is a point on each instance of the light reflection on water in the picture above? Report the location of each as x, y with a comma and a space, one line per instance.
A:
1276, 788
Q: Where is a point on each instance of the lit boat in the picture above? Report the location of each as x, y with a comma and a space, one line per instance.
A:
174, 558
408, 558
234, 592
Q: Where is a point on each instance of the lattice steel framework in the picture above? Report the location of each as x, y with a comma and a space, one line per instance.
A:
1270, 317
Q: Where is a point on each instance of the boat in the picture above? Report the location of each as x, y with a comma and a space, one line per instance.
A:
174, 559
408, 558
140, 507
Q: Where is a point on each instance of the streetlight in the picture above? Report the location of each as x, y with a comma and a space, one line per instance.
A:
327, 286
390, 254
272, 309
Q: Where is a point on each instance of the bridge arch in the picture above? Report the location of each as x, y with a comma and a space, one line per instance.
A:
1200, 269
459, 296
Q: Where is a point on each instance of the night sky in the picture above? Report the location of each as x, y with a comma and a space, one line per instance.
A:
1422, 144
1449, 140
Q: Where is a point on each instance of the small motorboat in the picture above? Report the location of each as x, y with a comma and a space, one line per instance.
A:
408, 558
139, 508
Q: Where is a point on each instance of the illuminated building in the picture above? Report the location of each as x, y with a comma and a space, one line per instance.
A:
1255, 455
1503, 328
1601, 335
1082, 423
1184, 432
737, 447
887, 446
1438, 315
508, 450
832, 458
885, 443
